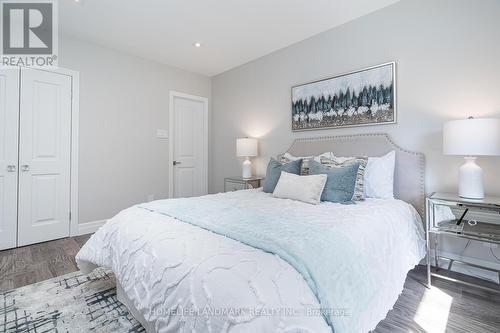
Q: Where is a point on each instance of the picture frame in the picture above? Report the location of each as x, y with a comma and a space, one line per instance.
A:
359, 98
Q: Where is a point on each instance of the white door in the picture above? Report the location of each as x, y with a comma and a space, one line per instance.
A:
9, 116
44, 156
189, 145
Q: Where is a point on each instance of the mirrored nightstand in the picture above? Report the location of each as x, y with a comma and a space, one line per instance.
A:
448, 214
238, 183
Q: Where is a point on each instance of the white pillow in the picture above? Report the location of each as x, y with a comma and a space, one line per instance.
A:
379, 175
294, 158
304, 168
302, 188
328, 155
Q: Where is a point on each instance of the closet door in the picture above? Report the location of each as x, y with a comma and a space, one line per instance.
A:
44, 156
9, 117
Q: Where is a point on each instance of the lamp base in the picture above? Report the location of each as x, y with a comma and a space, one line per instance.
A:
471, 180
247, 169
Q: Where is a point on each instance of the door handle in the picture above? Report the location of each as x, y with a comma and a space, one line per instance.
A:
176, 162
11, 168
25, 168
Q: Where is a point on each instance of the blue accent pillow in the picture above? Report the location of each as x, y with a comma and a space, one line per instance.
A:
273, 173
340, 182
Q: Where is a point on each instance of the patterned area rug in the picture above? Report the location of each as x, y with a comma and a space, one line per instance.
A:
70, 303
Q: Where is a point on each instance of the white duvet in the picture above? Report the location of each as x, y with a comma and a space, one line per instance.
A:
182, 278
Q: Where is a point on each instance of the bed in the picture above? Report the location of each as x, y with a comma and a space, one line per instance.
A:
248, 262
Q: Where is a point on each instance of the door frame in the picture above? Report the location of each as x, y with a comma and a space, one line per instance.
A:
171, 136
74, 154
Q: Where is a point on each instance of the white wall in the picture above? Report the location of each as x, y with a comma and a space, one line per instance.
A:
448, 67
123, 100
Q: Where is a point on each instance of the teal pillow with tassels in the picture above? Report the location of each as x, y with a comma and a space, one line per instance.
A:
340, 183
273, 173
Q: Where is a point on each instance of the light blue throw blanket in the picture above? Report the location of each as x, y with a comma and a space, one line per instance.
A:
308, 247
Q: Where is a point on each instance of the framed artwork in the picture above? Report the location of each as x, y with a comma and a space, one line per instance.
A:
363, 97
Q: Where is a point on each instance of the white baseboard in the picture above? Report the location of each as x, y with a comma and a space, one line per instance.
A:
90, 227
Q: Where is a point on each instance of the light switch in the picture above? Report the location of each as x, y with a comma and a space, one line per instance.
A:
162, 133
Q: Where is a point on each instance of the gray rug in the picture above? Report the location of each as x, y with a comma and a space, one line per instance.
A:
70, 303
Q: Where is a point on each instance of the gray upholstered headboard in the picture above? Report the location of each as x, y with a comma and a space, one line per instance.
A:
410, 166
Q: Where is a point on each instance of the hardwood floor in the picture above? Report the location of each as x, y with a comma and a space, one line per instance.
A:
446, 307
38, 262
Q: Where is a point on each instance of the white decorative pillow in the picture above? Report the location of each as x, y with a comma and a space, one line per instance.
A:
379, 174
302, 188
287, 158
304, 169
325, 155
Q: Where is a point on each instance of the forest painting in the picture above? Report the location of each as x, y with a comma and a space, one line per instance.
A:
364, 97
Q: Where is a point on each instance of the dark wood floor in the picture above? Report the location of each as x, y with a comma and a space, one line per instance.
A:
38, 262
446, 307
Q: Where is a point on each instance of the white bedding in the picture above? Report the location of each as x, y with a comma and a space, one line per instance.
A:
164, 264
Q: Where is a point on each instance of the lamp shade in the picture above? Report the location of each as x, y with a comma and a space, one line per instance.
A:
246, 147
472, 137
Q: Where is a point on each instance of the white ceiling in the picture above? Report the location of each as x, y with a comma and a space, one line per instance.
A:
232, 32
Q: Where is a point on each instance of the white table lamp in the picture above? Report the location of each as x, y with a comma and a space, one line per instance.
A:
470, 138
246, 147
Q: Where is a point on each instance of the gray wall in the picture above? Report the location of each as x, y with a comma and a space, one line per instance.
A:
448, 67
123, 100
